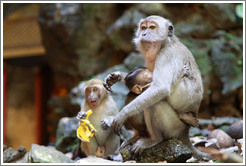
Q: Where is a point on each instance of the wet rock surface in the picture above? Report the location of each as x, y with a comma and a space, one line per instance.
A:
171, 151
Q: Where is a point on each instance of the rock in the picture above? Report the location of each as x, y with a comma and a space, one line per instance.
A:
152, 8
196, 26
218, 122
240, 143
42, 154
224, 127
236, 130
129, 18
204, 122
74, 36
24, 159
224, 140
4, 147
95, 160
194, 131
225, 56
66, 137
222, 16
171, 151
12, 156
133, 60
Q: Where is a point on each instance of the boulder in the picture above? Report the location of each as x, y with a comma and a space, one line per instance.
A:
12, 156
66, 137
42, 154
172, 150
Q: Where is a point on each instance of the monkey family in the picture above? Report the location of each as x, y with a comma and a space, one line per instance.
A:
166, 100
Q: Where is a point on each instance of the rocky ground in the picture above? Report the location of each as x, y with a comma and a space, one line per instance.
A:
220, 137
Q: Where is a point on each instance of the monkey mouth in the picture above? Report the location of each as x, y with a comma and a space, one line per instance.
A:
93, 102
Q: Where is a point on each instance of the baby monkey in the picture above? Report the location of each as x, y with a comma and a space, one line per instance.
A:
139, 79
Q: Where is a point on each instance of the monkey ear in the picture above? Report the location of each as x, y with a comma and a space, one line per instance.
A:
170, 30
137, 89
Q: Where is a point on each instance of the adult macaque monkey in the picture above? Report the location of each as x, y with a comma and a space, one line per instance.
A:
165, 55
104, 108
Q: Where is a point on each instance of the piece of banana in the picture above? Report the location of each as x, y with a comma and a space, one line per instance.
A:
86, 130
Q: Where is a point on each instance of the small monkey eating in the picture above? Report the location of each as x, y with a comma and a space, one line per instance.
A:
104, 108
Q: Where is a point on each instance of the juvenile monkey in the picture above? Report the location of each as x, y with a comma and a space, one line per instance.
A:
161, 103
104, 142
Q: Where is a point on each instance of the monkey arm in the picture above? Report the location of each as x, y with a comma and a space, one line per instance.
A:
113, 78
185, 71
106, 122
149, 97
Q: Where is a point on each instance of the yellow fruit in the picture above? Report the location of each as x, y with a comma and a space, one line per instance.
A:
86, 130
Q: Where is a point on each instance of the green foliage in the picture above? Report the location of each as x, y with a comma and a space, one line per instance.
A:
239, 10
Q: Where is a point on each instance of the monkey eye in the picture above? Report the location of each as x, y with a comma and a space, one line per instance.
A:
143, 27
152, 27
87, 90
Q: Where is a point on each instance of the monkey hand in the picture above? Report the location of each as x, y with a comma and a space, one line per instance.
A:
81, 115
186, 70
107, 122
111, 79
117, 124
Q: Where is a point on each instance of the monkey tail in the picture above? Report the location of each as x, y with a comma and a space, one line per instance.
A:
196, 153
200, 155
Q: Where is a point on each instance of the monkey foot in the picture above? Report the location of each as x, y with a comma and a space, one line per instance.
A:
189, 119
142, 144
129, 142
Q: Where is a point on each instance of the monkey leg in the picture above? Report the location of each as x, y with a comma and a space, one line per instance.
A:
130, 141
154, 135
112, 144
145, 143
184, 137
189, 118
89, 148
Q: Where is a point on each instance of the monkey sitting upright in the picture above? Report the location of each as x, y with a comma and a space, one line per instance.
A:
138, 80
161, 103
104, 108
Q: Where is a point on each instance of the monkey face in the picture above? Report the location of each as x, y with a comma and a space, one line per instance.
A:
93, 96
153, 29
148, 31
